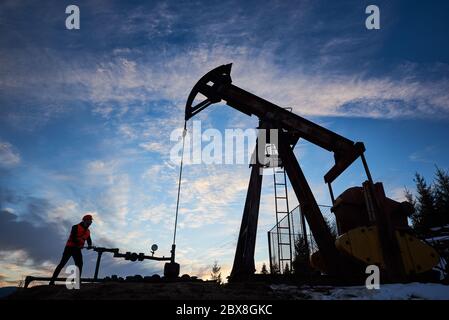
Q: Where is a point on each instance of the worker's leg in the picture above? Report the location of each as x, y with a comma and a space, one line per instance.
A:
65, 257
78, 257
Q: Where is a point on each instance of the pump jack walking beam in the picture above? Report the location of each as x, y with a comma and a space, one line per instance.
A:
217, 85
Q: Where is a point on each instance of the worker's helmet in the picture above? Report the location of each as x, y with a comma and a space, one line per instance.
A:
87, 217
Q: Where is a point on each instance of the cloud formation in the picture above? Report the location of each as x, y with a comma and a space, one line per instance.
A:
135, 83
9, 157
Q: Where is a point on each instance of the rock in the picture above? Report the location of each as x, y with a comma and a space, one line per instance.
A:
185, 277
156, 277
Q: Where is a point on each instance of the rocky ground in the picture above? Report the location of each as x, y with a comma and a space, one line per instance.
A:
234, 291
150, 291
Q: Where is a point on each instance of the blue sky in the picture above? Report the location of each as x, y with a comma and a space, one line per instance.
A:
86, 115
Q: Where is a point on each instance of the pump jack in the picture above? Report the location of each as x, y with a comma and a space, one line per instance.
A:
372, 228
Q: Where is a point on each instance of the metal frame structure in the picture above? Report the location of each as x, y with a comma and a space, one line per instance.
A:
131, 256
216, 86
298, 229
283, 260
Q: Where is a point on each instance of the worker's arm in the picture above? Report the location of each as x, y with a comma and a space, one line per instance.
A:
89, 241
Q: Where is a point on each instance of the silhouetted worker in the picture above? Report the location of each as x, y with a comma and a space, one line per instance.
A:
79, 234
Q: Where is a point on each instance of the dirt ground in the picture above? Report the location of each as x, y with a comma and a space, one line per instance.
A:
204, 290
150, 291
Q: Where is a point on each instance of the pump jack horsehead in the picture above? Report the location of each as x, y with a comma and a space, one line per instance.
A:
372, 228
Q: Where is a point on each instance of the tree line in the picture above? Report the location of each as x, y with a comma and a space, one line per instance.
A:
431, 202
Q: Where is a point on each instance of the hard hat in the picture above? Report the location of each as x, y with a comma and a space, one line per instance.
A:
87, 217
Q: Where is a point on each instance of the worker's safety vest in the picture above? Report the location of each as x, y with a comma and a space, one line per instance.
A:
82, 234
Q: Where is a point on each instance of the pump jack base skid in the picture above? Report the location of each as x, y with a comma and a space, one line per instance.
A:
150, 279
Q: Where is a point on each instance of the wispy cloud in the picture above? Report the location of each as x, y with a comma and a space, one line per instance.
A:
209, 198
130, 85
398, 194
425, 156
15, 265
9, 156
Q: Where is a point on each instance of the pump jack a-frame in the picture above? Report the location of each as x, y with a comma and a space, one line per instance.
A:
216, 86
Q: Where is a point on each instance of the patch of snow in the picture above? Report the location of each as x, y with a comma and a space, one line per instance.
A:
440, 238
440, 228
410, 291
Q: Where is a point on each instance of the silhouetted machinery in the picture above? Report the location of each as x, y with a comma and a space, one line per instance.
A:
171, 268
372, 228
